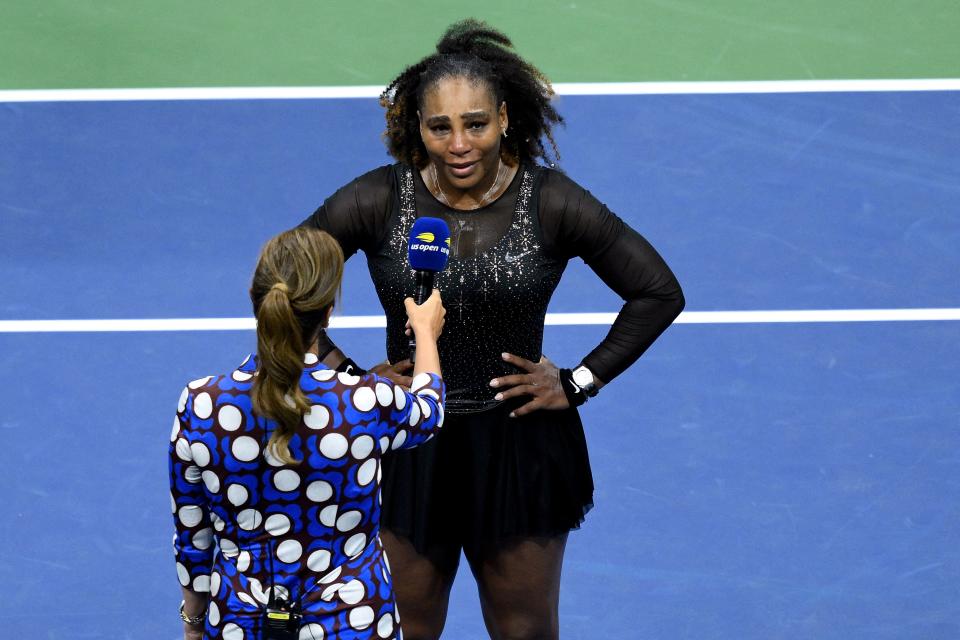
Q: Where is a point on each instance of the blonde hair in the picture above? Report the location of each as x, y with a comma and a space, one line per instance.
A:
295, 284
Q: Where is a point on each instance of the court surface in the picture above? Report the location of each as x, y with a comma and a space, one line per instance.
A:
755, 480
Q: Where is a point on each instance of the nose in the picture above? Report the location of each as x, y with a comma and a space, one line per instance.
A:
459, 143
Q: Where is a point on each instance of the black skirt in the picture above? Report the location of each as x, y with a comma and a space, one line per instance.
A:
487, 478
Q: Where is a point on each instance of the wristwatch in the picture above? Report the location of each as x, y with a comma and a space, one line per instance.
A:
583, 378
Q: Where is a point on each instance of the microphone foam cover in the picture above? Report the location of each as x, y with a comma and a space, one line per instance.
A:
429, 244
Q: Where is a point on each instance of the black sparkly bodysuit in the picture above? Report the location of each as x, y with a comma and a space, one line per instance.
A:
506, 261
495, 300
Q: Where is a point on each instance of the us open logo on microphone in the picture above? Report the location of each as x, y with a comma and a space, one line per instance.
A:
426, 244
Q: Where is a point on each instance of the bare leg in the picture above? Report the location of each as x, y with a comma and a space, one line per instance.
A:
519, 588
422, 585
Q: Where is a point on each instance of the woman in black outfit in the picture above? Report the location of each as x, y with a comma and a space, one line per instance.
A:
509, 477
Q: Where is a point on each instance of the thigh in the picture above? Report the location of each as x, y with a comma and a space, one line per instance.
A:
421, 583
519, 585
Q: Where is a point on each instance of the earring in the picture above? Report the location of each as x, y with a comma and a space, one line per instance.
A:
503, 132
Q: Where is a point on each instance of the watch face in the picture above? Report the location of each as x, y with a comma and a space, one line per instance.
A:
582, 377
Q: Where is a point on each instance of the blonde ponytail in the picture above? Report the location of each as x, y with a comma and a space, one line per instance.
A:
296, 283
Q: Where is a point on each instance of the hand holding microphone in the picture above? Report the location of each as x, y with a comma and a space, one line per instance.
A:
429, 250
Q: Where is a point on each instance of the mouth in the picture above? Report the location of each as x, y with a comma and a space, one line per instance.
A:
462, 169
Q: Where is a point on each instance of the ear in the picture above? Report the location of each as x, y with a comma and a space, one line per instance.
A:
326, 319
502, 116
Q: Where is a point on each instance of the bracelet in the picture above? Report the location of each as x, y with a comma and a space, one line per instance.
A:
575, 396
192, 620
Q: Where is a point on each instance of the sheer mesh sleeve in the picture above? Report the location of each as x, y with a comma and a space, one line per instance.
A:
358, 213
575, 224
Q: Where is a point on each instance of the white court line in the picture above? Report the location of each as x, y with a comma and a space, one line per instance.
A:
562, 88
553, 319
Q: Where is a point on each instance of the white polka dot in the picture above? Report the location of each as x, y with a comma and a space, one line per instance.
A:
201, 584
328, 515
399, 439
439, 415
362, 447
319, 560
183, 575
429, 393
173, 504
414, 415
330, 577
366, 471
310, 358
249, 519
319, 491
318, 417
232, 632
331, 591
237, 494
355, 545
312, 631
200, 382
176, 429
352, 592
245, 597
256, 590
347, 379
229, 417
201, 455
245, 449
182, 404
323, 375
385, 625
241, 376
271, 457
289, 401
286, 480
211, 481
228, 548
424, 407
203, 539
333, 446
384, 394
183, 450
203, 406
190, 515
419, 381
364, 399
277, 524
213, 613
361, 617
399, 397
214, 583
384, 444
218, 522
243, 561
349, 520
289, 551
379, 472
192, 474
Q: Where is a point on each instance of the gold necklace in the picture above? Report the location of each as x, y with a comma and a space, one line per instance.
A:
483, 199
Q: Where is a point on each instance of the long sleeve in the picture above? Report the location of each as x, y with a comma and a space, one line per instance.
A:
575, 224
411, 417
358, 213
193, 537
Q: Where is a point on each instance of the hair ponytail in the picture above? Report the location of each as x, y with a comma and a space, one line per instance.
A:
295, 284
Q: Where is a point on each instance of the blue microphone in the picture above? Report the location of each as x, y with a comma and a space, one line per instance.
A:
429, 250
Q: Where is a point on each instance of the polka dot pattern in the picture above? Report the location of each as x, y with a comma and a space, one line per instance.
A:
236, 504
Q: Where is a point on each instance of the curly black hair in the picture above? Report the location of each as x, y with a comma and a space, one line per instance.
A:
473, 50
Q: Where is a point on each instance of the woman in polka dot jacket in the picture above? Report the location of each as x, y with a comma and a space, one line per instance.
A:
275, 467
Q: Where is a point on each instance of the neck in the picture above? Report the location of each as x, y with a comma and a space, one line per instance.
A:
474, 198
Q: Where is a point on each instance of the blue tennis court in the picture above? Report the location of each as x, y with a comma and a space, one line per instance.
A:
754, 481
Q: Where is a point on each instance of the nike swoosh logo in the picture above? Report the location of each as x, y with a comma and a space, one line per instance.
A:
514, 258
